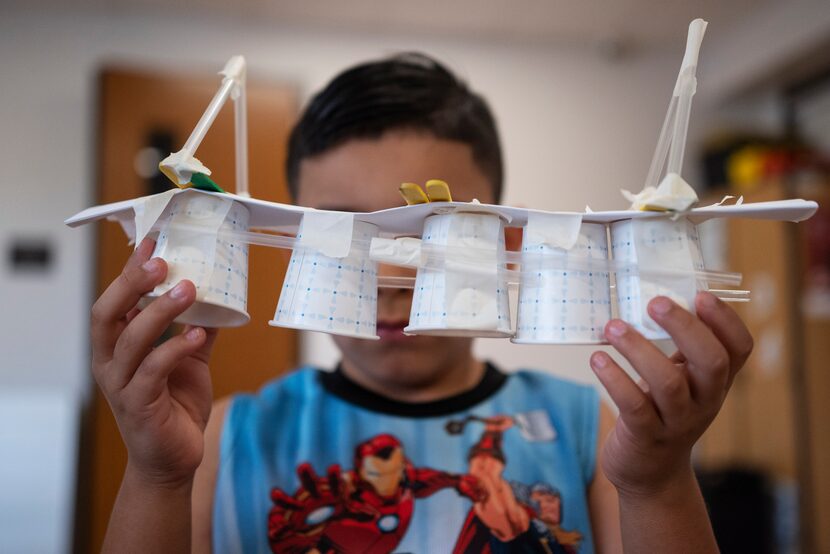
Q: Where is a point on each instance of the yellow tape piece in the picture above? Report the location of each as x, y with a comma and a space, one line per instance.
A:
438, 191
412, 194
172, 176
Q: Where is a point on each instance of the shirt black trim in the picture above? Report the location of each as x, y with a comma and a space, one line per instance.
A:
338, 384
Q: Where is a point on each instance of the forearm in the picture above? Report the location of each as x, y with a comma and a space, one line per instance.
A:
150, 517
673, 519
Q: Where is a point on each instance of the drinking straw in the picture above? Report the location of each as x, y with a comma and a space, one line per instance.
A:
663, 144
233, 85
240, 113
676, 123
434, 257
685, 90
398, 282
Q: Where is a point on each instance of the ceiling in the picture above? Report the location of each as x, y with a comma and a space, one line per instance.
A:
627, 23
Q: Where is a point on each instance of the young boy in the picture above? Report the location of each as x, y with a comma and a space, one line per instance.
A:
412, 444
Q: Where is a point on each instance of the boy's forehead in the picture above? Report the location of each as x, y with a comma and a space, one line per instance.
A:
364, 174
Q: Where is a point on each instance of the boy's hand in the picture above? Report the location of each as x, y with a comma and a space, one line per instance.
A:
649, 449
161, 397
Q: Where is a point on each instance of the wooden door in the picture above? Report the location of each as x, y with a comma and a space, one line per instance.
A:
142, 115
775, 416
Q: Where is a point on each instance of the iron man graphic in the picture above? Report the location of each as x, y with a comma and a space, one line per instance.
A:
365, 510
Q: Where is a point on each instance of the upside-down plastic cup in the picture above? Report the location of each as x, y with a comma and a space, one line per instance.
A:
562, 300
191, 241
332, 295
671, 247
466, 293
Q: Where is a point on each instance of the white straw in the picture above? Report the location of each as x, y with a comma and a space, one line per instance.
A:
182, 163
685, 90
240, 112
663, 143
201, 129
672, 139
434, 257
681, 127
397, 282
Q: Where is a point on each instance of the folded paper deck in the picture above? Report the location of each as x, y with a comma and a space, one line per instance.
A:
409, 220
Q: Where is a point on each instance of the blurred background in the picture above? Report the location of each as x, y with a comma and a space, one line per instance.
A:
95, 92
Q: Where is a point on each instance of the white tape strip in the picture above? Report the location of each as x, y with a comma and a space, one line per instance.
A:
405, 251
190, 250
148, 210
471, 298
664, 244
554, 230
329, 233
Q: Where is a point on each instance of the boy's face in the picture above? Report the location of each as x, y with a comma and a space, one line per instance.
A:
364, 176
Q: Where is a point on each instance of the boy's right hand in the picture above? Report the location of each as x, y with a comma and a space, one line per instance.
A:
161, 397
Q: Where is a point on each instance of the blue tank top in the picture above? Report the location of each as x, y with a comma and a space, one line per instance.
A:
314, 461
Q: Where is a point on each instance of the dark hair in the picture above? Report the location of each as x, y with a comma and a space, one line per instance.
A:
406, 91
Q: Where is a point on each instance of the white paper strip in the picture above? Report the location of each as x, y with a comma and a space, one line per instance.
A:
404, 251
147, 211
329, 233
554, 230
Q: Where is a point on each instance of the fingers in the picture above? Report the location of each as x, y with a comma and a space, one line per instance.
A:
282, 500
203, 353
728, 328
144, 330
667, 383
150, 378
131, 314
335, 480
636, 409
140, 275
706, 358
308, 478
518, 518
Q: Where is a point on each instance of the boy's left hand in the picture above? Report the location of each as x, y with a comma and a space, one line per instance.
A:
661, 419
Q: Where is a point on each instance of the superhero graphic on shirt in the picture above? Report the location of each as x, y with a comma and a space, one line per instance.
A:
512, 517
368, 509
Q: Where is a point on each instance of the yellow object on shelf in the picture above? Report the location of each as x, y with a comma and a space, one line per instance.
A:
745, 168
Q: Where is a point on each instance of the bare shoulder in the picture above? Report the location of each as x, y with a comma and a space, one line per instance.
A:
204, 482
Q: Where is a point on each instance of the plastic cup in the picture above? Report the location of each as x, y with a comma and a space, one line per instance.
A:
466, 295
661, 244
190, 241
331, 295
564, 305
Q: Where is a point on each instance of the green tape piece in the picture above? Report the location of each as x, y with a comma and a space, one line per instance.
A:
203, 182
